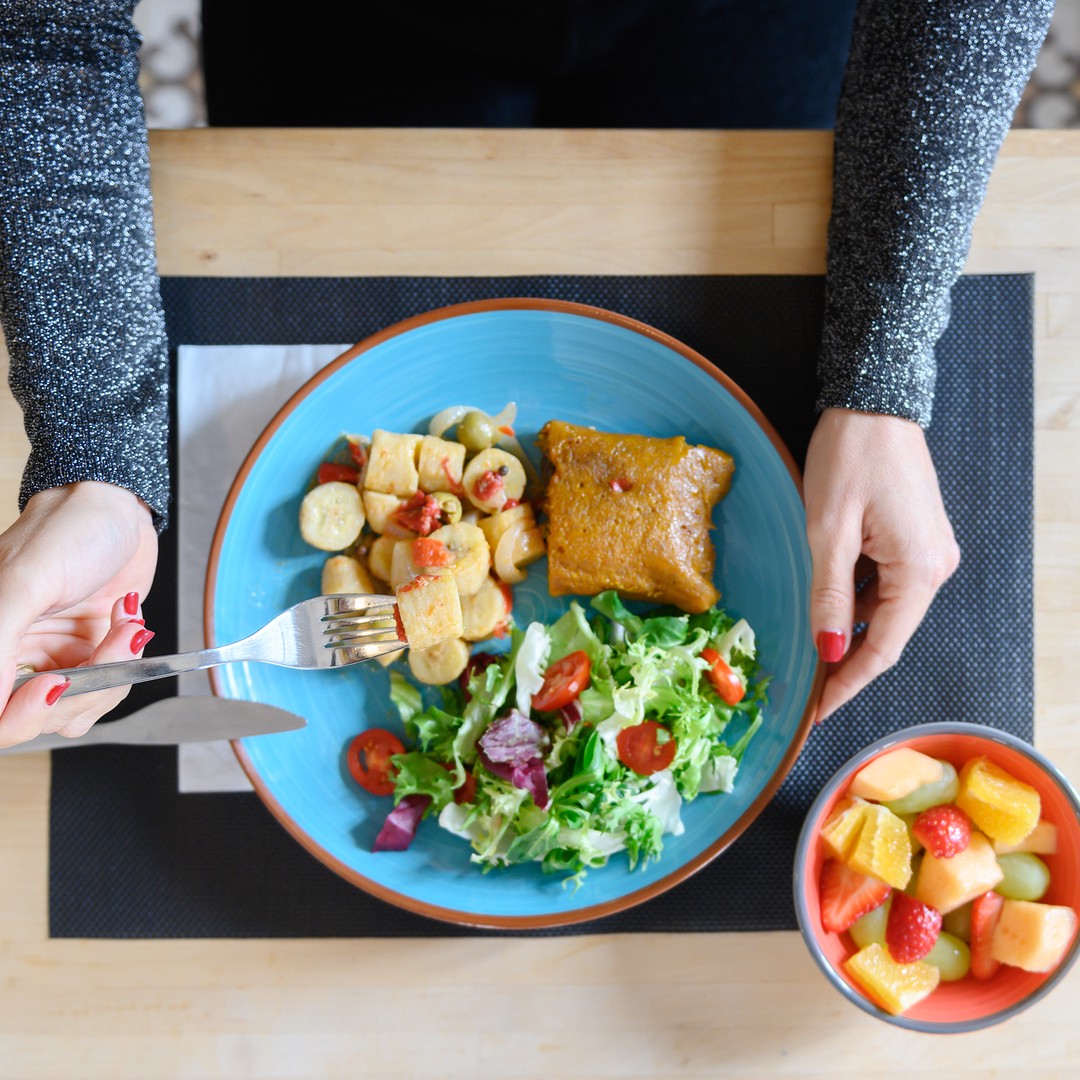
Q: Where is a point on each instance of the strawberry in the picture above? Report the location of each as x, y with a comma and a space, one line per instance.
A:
847, 895
985, 912
912, 929
943, 830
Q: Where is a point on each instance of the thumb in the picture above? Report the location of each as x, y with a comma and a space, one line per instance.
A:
834, 552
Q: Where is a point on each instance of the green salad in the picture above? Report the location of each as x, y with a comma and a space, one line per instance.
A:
584, 739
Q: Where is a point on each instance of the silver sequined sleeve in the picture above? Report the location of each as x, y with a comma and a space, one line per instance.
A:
928, 97
79, 295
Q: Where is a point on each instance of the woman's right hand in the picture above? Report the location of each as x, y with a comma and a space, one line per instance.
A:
73, 570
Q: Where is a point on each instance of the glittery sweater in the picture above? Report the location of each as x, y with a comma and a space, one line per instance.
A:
928, 96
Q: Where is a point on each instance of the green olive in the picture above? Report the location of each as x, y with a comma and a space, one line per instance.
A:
450, 505
476, 431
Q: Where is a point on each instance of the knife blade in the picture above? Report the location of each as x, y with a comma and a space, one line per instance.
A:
176, 720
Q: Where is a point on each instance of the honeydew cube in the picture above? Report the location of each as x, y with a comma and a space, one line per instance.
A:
440, 464
429, 609
946, 884
1042, 840
895, 774
1003, 807
380, 509
841, 832
1032, 936
346, 574
895, 987
391, 466
883, 848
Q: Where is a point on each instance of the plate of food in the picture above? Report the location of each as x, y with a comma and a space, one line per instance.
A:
597, 545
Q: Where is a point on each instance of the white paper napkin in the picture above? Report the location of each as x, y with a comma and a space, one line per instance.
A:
226, 395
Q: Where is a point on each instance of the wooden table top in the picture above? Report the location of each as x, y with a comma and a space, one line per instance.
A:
449, 202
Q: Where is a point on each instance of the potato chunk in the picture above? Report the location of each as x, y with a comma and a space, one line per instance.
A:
429, 609
440, 465
391, 467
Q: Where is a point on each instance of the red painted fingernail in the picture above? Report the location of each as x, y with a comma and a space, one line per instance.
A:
140, 639
53, 696
831, 645
131, 603
136, 622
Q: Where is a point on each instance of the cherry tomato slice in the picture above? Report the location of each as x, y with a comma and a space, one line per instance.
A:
640, 747
330, 470
368, 758
724, 680
563, 682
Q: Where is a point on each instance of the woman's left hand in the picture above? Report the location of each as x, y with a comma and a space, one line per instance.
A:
872, 504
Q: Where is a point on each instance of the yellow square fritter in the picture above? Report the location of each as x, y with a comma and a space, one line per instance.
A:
631, 513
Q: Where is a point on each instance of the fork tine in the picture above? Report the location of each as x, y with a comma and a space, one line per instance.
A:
334, 624
353, 605
355, 653
375, 633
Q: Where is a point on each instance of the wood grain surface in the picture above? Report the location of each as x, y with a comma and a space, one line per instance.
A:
749, 1005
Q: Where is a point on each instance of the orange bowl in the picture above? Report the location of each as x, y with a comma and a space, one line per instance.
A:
966, 1004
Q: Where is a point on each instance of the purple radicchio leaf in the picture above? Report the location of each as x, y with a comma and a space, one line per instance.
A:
513, 749
400, 826
514, 739
571, 715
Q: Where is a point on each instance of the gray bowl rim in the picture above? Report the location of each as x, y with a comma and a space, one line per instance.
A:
807, 836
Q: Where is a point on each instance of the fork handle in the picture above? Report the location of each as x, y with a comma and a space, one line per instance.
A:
85, 680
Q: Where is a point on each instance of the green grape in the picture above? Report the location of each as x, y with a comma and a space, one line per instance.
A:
958, 922
476, 431
933, 793
951, 956
1026, 876
870, 928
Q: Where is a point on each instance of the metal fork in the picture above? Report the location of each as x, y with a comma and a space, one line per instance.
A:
324, 632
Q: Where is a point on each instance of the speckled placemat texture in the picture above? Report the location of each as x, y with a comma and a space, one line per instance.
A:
132, 858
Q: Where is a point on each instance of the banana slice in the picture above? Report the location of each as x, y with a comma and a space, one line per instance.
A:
344, 574
331, 516
493, 477
469, 549
380, 555
441, 664
484, 611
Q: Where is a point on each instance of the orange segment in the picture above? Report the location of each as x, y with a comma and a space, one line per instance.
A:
895, 987
1000, 805
883, 849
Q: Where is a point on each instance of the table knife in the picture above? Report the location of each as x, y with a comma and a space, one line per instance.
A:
176, 720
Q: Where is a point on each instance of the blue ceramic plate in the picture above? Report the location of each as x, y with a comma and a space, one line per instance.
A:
557, 361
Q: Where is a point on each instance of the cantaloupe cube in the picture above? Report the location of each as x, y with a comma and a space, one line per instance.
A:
841, 832
947, 884
1003, 807
440, 464
1042, 840
1033, 936
883, 848
895, 774
895, 987
430, 609
391, 466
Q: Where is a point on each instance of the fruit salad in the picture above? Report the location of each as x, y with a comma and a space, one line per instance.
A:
938, 873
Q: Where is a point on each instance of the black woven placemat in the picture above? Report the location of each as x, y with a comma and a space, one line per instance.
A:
130, 857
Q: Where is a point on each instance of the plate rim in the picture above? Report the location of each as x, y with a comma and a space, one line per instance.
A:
450, 915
